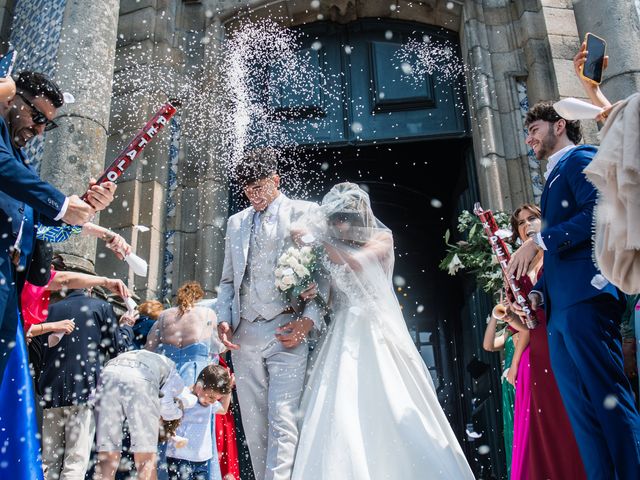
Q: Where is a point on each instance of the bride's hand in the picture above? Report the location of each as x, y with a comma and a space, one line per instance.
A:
309, 293
297, 234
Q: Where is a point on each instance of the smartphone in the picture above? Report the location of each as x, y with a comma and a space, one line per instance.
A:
592, 69
6, 63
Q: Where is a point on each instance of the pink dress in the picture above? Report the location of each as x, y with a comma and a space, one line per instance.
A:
522, 420
35, 303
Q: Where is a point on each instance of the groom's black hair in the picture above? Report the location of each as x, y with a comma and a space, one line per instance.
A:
256, 165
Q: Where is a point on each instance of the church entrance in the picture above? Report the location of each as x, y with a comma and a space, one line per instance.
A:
410, 147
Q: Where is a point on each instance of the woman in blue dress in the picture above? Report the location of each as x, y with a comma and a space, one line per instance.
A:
185, 334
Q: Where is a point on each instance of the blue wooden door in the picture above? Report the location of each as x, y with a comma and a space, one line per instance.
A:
363, 95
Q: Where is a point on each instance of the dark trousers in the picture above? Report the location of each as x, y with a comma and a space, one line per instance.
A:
186, 470
586, 357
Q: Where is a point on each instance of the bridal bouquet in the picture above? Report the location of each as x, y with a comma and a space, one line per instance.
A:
296, 270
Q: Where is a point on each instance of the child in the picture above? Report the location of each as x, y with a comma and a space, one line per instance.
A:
213, 389
143, 388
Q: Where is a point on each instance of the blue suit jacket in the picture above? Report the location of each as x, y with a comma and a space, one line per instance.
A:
567, 204
23, 195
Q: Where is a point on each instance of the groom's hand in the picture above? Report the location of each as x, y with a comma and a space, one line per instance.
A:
522, 258
224, 332
293, 333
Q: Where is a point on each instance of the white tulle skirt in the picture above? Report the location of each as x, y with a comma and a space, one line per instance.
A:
370, 410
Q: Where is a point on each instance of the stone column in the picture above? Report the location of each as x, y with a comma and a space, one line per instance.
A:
75, 151
618, 23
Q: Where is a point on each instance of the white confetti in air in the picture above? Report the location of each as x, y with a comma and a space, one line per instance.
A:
504, 233
68, 98
388, 34
610, 402
317, 45
141, 228
484, 449
348, 49
399, 281
450, 5
406, 68
435, 203
315, 4
324, 166
356, 127
420, 309
564, 203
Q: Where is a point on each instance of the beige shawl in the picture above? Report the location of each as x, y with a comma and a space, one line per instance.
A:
615, 172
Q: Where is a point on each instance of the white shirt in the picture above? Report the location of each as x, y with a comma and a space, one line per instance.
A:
553, 160
196, 428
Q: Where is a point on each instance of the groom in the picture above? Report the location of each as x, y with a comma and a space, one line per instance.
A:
265, 332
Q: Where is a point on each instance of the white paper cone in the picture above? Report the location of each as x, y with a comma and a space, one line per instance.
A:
138, 265
131, 304
54, 338
574, 109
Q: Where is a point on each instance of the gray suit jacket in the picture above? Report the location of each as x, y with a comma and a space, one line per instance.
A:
236, 257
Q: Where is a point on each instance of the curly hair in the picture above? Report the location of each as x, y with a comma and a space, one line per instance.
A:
188, 295
544, 111
533, 208
216, 378
151, 309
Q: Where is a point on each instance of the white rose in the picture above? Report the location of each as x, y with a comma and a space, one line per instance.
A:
287, 272
305, 251
283, 258
279, 272
287, 282
301, 271
293, 262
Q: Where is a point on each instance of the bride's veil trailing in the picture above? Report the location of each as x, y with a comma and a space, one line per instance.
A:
369, 409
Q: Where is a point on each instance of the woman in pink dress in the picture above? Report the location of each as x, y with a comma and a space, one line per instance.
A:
544, 446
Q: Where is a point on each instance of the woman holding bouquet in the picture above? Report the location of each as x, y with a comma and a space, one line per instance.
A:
370, 409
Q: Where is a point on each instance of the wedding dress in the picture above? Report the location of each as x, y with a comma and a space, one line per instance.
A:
369, 410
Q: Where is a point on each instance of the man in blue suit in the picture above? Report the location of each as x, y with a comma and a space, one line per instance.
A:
583, 309
25, 199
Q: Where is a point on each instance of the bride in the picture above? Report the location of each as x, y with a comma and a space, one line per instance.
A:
369, 410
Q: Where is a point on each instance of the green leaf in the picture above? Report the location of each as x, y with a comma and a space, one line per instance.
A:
447, 235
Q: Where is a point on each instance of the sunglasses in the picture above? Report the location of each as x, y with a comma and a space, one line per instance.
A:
37, 116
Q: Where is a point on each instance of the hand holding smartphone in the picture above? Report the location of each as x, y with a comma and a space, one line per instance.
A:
595, 61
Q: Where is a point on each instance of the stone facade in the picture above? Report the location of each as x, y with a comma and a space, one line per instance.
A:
520, 51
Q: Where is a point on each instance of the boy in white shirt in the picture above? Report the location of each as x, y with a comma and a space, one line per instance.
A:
192, 462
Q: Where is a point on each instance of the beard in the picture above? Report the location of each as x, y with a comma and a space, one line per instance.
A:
547, 145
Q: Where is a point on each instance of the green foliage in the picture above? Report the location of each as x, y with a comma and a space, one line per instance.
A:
473, 254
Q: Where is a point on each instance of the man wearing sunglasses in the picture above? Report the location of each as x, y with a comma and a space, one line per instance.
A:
25, 199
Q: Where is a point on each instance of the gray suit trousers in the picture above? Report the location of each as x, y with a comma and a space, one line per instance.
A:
269, 382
